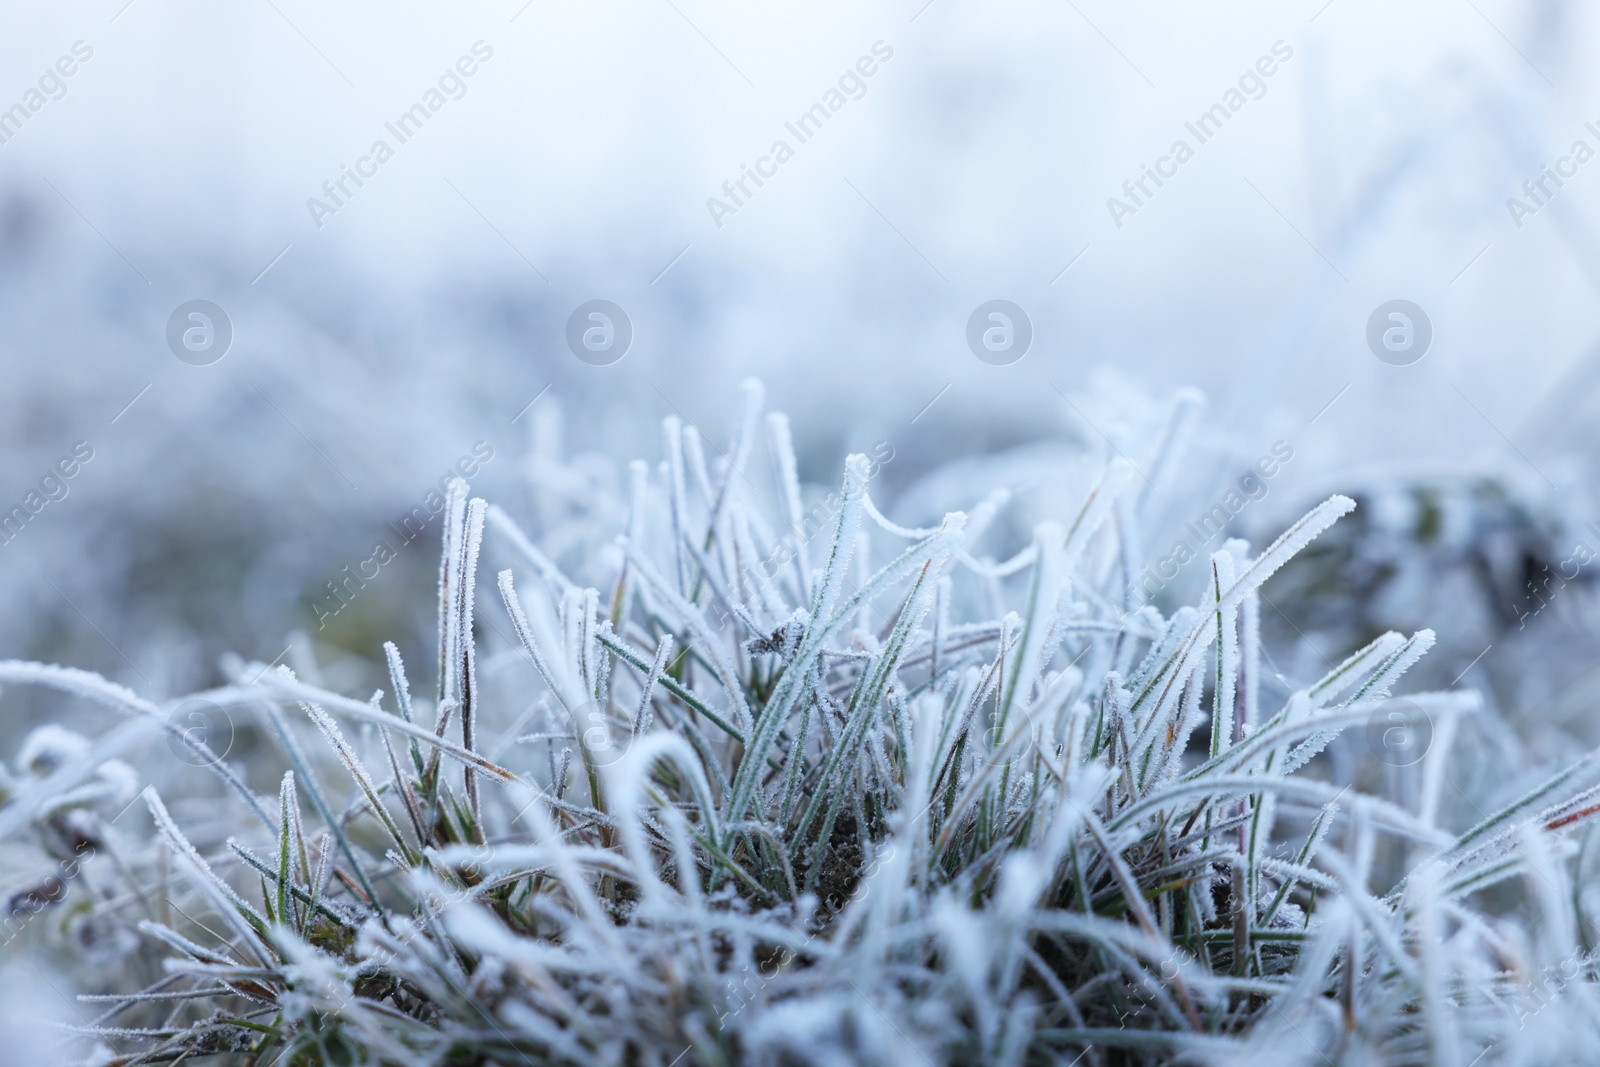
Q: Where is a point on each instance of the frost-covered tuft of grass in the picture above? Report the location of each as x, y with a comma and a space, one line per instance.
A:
768, 785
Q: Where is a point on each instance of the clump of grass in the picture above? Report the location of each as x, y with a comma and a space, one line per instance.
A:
855, 806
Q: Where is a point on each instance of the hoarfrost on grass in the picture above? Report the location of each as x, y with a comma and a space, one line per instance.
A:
741, 787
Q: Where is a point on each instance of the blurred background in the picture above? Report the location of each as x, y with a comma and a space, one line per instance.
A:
383, 328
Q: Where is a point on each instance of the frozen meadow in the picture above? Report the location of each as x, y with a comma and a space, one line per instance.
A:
868, 533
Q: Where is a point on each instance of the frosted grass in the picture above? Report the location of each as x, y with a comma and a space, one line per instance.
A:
840, 813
